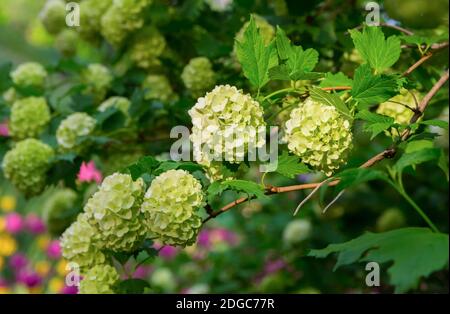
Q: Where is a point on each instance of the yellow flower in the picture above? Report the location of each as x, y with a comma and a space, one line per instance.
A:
4, 290
2, 224
35, 290
8, 245
42, 268
7, 203
55, 285
2, 262
43, 241
61, 267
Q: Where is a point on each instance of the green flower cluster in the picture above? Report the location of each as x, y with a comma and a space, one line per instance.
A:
320, 135
59, 209
121, 18
198, 76
158, 88
114, 212
99, 79
26, 165
121, 103
53, 16
29, 74
29, 117
297, 231
171, 207
71, 129
91, 12
148, 45
100, 279
66, 42
225, 120
393, 107
78, 246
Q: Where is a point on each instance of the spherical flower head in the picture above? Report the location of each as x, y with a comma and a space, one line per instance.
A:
58, 210
319, 135
228, 122
91, 12
99, 79
54, 250
99, 279
71, 129
53, 16
297, 231
29, 74
29, 117
78, 246
158, 87
148, 45
114, 212
121, 103
122, 18
220, 5
34, 224
266, 30
198, 76
13, 223
66, 42
393, 107
26, 165
171, 207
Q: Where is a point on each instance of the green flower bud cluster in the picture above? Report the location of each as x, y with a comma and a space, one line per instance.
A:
171, 207
59, 210
78, 246
114, 212
53, 16
123, 17
71, 129
198, 76
29, 74
148, 45
158, 88
66, 42
10, 96
225, 120
121, 103
266, 30
99, 79
393, 107
26, 165
29, 117
100, 279
297, 231
91, 12
320, 135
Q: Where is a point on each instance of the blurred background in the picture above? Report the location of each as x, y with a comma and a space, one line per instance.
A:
258, 246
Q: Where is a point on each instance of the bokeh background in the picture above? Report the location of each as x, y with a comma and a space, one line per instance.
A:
251, 248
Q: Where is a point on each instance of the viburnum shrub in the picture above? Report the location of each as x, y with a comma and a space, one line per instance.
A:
150, 75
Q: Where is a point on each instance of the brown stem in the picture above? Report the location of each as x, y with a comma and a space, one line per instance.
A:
336, 88
417, 64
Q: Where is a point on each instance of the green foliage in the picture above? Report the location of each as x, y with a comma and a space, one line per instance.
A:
375, 123
290, 165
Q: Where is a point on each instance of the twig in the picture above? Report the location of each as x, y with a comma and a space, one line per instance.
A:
417, 64
336, 88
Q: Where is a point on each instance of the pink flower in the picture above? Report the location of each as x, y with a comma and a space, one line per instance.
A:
167, 252
34, 224
88, 173
54, 250
4, 131
14, 223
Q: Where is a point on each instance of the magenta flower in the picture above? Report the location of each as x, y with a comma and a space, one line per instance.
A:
54, 250
18, 261
14, 223
274, 266
4, 131
29, 278
69, 290
167, 252
141, 272
89, 173
34, 224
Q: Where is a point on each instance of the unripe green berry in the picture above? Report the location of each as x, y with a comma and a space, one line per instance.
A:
29, 74
319, 135
100, 279
29, 117
171, 207
71, 129
198, 76
26, 165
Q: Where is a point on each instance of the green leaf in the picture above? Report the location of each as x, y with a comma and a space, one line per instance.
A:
248, 187
417, 157
414, 146
369, 89
443, 163
5, 79
171, 165
331, 100
215, 189
144, 165
439, 123
338, 79
378, 52
290, 165
410, 262
256, 59
375, 123
357, 176
133, 286
146, 256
